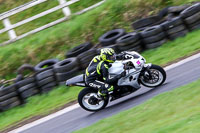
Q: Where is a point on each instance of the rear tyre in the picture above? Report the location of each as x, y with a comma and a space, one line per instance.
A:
89, 101
155, 77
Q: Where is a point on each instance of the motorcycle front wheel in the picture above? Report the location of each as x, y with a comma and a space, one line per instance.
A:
89, 100
154, 77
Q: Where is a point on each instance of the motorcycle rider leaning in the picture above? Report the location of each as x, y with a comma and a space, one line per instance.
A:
97, 76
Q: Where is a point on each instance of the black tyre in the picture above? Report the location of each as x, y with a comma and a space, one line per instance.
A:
176, 29
8, 89
172, 23
65, 65
156, 44
164, 12
140, 30
91, 104
110, 37
194, 18
26, 87
66, 75
46, 81
25, 67
145, 22
178, 34
190, 10
28, 93
79, 49
7, 96
19, 78
194, 26
154, 38
44, 74
48, 87
8, 101
11, 105
157, 77
130, 46
151, 31
25, 82
44, 65
127, 39
138, 49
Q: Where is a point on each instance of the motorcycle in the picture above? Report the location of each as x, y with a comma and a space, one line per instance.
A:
137, 73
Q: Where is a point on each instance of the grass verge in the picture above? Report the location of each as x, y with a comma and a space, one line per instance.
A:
176, 111
43, 104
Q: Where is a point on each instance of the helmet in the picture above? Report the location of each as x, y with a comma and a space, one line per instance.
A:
108, 55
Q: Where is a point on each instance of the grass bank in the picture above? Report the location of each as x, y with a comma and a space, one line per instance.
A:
176, 111
6, 5
43, 104
55, 41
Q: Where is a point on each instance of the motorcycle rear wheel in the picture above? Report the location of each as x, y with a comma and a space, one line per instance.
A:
89, 100
158, 77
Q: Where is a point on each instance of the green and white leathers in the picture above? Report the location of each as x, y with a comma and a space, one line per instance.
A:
106, 56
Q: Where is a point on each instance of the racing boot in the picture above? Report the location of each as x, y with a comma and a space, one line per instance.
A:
105, 92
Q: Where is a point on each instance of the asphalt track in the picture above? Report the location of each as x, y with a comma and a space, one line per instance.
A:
79, 118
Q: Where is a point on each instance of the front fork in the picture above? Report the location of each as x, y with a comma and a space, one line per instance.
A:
146, 71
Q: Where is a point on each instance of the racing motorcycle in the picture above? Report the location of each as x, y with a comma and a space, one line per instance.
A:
138, 73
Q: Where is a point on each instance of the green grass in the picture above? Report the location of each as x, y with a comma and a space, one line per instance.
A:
39, 105
176, 111
55, 41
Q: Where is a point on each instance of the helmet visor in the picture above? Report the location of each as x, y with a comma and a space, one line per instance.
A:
111, 58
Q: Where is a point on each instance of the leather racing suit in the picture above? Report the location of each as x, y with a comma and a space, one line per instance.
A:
97, 75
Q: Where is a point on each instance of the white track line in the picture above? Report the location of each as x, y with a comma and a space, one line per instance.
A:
61, 112
182, 62
42, 120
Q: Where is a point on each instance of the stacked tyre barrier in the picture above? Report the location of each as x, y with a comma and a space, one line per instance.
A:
110, 37
45, 76
129, 42
27, 88
174, 28
79, 49
65, 69
150, 32
9, 97
153, 37
191, 17
169, 24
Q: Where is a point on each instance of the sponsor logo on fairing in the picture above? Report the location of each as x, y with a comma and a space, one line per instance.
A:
94, 85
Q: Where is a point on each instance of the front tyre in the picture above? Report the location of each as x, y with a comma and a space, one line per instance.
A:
89, 100
153, 77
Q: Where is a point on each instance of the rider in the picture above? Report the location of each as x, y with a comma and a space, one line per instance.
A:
97, 72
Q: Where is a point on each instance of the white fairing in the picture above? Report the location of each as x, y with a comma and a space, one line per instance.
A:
132, 75
117, 68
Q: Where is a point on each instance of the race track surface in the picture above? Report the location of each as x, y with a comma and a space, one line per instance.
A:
79, 118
